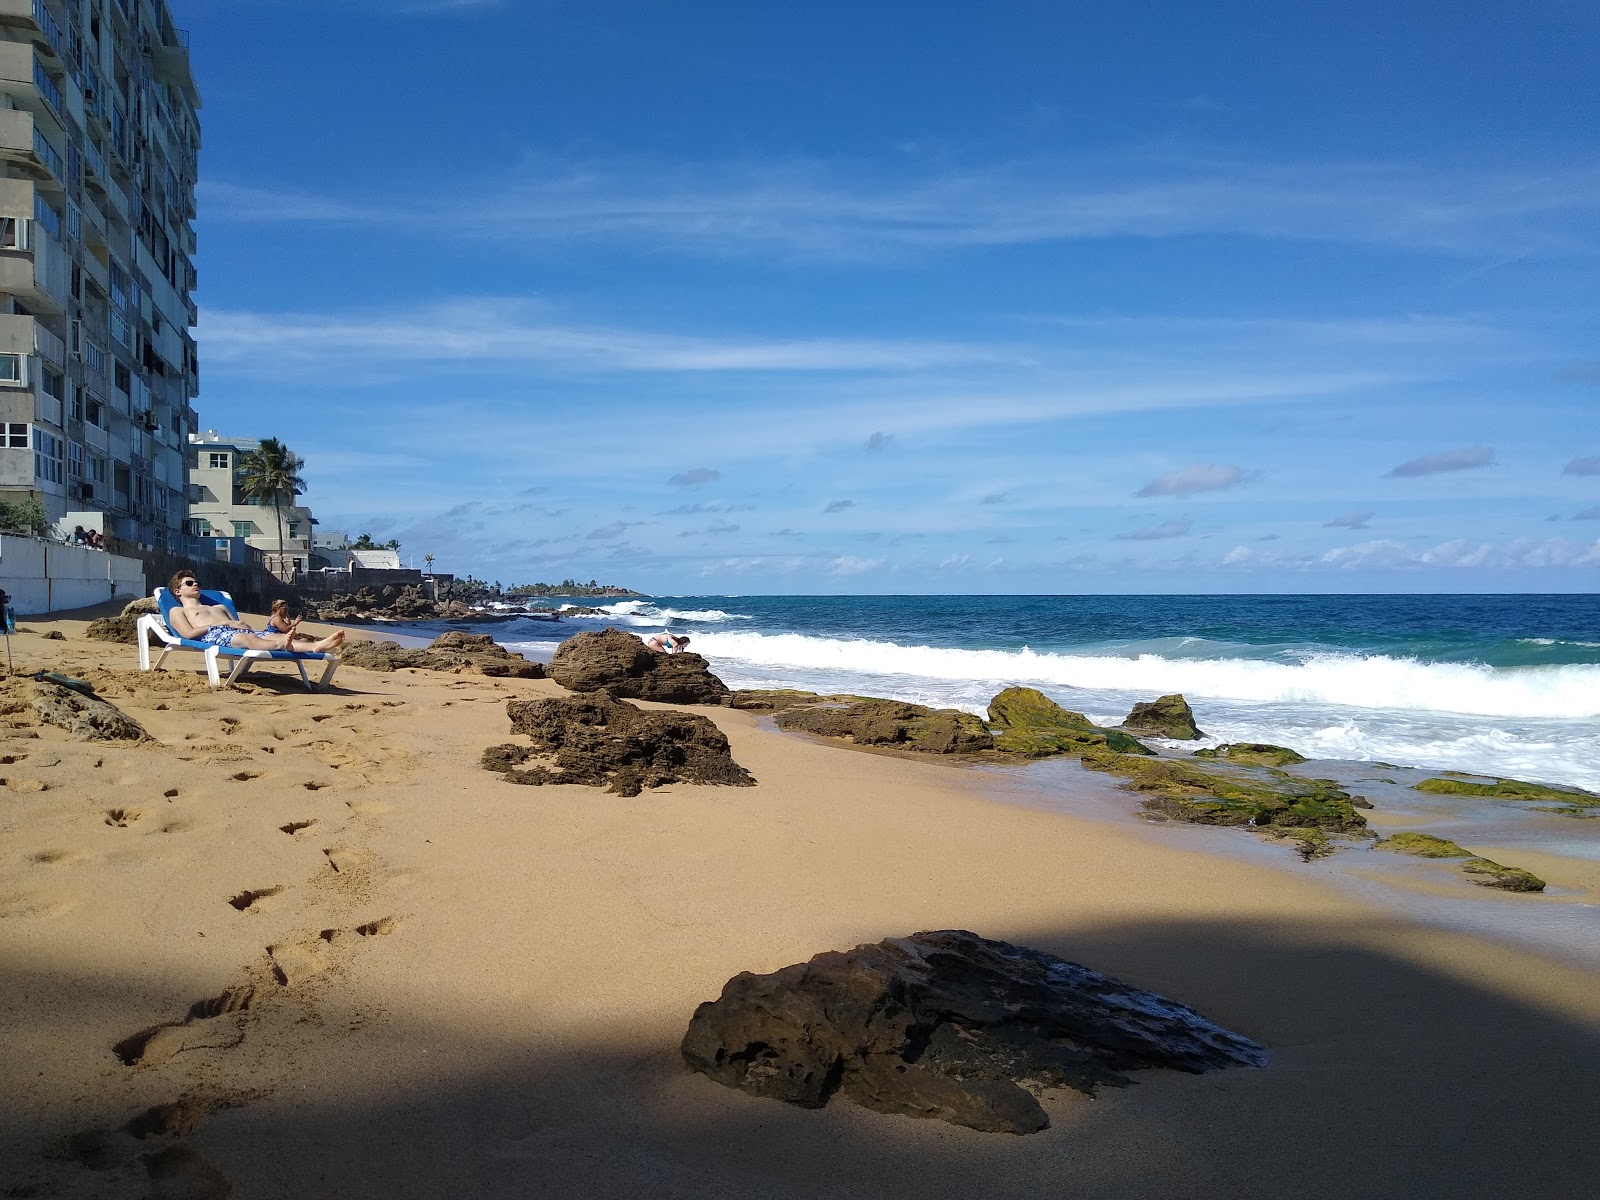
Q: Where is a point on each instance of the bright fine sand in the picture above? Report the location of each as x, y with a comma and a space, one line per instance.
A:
506, 972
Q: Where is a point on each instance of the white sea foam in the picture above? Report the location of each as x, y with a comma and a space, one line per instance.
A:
1348, 680
644, 612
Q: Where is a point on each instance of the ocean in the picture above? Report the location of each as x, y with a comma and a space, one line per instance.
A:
1499, 685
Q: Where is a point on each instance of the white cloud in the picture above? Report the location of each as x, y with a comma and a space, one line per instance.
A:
1465, 459
1356, 519
1201, 477
847, 565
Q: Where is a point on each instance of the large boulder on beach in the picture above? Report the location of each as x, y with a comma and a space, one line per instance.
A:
874, 722
1030, 723
455, 652
623, 665
948, 1025
1168, 717
1254, 754
602, 741
124, 626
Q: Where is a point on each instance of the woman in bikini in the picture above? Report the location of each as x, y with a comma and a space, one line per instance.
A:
211, 624
280, 621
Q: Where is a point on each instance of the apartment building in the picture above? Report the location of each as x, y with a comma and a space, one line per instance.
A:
98, 150
218, 509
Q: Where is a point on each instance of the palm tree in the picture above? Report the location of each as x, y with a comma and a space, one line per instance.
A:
270, 474
427, 561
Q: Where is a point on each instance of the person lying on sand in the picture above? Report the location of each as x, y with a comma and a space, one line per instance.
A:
211, 624
666, 643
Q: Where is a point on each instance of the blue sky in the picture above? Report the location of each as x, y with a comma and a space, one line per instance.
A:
917, 297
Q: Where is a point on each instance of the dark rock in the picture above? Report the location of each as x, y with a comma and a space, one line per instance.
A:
122, 627
1253, 754
947, 1025
622, 664
55, 635
455, 652
1486, 873
1423, 845
600, 740
87, 718
771, 700
1168, 717
872, 722
1034, 725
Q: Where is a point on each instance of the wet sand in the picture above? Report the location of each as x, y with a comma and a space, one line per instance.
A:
486, 983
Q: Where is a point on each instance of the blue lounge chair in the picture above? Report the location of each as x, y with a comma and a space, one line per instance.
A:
161, 626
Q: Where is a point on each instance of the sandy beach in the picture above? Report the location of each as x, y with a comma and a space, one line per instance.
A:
487, 983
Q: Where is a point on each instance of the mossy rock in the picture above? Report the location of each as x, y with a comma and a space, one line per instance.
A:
1184, 790
1509, 789
1487, 873
1423, 845
1029, 708
1253, 754
1168, 717
1034, 725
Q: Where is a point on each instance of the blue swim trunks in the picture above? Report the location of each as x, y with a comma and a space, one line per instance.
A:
220, 635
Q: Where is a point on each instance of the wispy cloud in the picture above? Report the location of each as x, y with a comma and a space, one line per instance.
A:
878, 443
1356, 519
1464, 459
1154, 533
995, 498
812, 209
694, 477
508, 331
834, 506
1587, 514
1200, 477
1583, 466
847, 565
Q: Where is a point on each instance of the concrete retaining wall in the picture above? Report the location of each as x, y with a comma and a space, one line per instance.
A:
44, 577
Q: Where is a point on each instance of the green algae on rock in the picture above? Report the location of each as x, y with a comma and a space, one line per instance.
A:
1482, 871
1168, 717
1184, 790
1254, 754
1572, 800
1423, 845
1032, 724
1488, 873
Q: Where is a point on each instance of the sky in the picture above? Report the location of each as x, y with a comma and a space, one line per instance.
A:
716, 297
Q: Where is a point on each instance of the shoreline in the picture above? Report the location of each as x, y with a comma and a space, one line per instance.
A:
517, 1017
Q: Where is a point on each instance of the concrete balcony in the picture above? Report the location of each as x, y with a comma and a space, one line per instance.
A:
96, 438
40, 276
34, 19
23, 145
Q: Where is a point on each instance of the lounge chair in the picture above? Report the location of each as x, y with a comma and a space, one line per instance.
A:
161, 626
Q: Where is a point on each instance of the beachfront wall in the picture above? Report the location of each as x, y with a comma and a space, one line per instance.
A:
44, 577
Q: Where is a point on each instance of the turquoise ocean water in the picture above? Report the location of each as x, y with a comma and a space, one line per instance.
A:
1506, 685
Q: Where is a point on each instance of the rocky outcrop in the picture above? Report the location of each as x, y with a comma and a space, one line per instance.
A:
1482, 871
84, 715
1214, 794
1253, 754
1168, 717
406, 602
602, 741
1032, 724
1572, 801
122, 627
621, 664
947, 1025
869, 722
456, 652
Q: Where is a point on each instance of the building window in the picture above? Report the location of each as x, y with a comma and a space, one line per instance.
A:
219, 462
243, 529
53, 383
13, 370
14, 233
294, 529
77, 402
48, 454
97, 468
74, 460
16, 436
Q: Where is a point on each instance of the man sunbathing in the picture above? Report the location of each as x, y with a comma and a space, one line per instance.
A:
211, 624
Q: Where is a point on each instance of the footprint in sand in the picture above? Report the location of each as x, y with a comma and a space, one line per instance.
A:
294, 827
368, 808
245, 776
212, 1023
179, 1173
250, 897
382, 927
24, 785
121, 818
178, 826
56, 857
314, 785
346, 862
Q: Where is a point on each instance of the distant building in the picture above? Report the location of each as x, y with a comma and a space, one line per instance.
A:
218, 508
98, 148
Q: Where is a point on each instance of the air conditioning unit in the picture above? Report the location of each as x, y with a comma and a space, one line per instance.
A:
149, 422
86, 491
